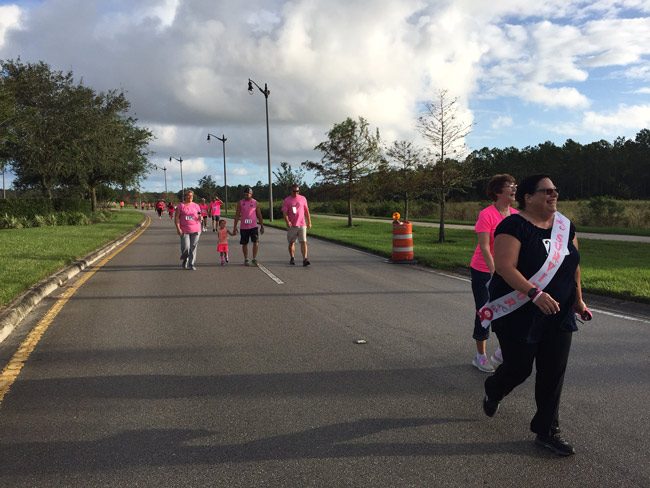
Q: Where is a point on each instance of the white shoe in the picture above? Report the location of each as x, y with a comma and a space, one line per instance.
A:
497, 357
481, 362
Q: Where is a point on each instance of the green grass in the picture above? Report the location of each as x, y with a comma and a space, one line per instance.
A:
610, 268
29, 255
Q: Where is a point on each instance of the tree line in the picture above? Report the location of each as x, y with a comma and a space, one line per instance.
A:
61, 137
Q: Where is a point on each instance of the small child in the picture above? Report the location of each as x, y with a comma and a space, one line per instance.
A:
222, 245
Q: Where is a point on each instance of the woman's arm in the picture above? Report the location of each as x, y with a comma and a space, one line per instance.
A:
177, 221
484, 246
579, 305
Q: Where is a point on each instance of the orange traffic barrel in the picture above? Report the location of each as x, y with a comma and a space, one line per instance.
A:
402, 242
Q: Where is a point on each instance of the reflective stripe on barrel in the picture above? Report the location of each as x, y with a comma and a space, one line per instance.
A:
402, 242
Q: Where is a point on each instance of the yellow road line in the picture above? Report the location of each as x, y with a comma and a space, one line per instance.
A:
12, 370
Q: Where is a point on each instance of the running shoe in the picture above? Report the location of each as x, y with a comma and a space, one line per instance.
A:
481, 362
254, 262
226, 258
556, 444
305, 262
497, 357
490, 407
292, 261
247, 262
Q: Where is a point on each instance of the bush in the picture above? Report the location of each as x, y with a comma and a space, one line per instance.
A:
603, 211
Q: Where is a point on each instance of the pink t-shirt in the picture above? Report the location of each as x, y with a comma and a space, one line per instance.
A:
215, 207
204, 209
248, 213
294, 209
487, 221
223, 235
189, 217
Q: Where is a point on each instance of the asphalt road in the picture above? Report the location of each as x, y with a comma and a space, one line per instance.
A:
155, 376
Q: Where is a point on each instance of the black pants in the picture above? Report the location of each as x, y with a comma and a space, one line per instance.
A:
550, 355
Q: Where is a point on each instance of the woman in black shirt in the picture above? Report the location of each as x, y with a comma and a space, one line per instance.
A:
540, 330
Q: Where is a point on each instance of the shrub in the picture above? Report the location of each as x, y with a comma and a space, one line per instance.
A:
40, 221
603, 211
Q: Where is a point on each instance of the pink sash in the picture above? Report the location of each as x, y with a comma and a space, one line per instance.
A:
502, 306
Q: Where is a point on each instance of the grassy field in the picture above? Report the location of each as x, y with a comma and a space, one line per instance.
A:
29, 255
610, 268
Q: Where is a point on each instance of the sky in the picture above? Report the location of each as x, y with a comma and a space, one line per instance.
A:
524, 72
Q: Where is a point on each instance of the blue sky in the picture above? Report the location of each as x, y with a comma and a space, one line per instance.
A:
524, 71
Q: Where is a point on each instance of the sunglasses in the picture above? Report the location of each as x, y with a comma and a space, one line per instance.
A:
548, 191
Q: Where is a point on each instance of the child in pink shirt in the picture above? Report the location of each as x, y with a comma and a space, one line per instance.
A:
222, 245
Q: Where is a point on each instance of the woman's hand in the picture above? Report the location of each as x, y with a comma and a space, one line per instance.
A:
546, 303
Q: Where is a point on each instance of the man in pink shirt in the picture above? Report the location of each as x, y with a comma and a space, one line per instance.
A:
214, 210
298, 220
250, 215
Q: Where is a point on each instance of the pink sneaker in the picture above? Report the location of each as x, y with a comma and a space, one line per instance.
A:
481, 362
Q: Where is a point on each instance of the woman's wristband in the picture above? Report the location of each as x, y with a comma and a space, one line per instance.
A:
536, 296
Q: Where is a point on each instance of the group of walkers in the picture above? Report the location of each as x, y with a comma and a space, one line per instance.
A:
525, 277
526, 284
191, 219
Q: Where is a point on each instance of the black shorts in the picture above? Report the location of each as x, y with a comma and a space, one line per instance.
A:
246, 234
216, 218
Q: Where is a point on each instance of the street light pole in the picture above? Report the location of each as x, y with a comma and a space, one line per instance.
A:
266, 92
165, 171
180, 160
223, 140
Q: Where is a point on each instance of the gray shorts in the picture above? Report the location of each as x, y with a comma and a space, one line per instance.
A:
297, 234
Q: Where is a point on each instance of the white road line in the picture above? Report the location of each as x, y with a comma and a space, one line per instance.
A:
620, 316
270, 275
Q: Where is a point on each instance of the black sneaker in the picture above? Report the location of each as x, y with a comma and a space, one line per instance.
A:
490, 407
292, 261
305, 262
556, 444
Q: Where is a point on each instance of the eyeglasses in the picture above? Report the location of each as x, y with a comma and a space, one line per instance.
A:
295, 191
548, 191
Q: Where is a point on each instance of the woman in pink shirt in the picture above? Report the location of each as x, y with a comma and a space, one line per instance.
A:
501, 189
188, 226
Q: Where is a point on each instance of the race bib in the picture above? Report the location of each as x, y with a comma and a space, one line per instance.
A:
189, 217
294, 209
248, 221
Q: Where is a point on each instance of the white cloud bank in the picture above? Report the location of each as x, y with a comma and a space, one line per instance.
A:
185, 64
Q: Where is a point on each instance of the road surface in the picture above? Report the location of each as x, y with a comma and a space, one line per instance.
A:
150, 375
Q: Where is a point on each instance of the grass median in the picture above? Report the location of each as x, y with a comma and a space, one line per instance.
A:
30, 255
610, 268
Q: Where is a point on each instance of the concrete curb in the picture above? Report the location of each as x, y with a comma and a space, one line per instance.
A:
18, 309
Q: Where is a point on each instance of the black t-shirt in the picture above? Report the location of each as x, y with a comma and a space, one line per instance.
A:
528, 322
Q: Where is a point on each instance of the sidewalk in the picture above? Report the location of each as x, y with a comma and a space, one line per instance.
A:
581, 235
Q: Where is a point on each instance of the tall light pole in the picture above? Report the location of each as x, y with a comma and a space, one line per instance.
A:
180, 160
266, 92
223, 140
165, 171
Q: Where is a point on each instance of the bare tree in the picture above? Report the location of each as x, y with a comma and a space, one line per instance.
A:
439, 126
407, 158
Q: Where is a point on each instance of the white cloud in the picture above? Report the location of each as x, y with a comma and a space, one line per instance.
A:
623, 120
9, 19
185, 64
644, 91
501, 122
